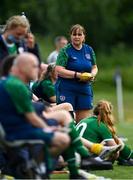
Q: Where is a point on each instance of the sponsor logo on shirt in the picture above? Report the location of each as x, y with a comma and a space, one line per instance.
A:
92, 104
62, 98
88, 56
74, 57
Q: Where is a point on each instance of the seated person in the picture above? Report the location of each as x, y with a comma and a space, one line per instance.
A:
6, 65
100, 129
32, 46
44, 87
17, 114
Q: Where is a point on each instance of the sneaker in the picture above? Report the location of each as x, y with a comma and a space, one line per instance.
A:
91, 163
125, 162
109, 151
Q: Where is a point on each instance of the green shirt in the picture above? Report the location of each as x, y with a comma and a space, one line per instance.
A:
90, 129
19, 94
44, 89
12, 49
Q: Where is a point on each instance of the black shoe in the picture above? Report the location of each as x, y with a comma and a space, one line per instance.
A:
94, 164
125, 162
76, 177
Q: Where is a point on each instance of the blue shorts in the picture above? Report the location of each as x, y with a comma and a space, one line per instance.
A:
79, 101
51, 122
31, 134
39, 107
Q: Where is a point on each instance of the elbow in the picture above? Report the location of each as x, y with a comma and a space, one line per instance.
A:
95, 70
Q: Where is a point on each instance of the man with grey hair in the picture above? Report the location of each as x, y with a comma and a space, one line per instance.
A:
60, 42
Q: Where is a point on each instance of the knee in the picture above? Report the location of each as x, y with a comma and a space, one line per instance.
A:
66, 139
68, 107
62, 140
63, 117
66, 117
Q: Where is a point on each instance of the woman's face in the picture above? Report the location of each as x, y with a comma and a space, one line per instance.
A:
18, 32
77, 37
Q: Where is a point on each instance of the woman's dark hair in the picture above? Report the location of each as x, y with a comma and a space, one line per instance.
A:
6, 65
76, 27
48, 73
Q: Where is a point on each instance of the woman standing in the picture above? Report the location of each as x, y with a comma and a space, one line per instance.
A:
76, 68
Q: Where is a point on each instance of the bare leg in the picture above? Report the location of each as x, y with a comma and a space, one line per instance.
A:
81, 114
59, 143
62, 116
63, 106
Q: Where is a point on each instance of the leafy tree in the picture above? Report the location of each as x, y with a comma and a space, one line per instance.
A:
107, 22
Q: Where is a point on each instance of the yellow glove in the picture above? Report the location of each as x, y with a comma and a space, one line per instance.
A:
96, 148
85, 76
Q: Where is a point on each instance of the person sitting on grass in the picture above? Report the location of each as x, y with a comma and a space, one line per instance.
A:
100, 128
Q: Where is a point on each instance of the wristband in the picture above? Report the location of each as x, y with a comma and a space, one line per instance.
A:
75, 75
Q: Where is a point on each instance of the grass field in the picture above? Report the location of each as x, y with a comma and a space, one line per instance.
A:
123, 129
119, 172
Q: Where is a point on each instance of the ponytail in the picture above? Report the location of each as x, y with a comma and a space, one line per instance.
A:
103, 111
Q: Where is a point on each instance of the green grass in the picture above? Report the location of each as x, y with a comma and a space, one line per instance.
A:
119, 172
110, 95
